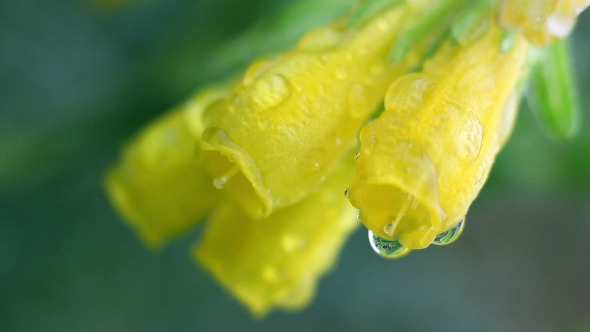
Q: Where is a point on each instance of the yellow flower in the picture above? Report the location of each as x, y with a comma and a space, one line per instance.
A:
268, 158
159, 185
425, 159
284, 128
542, 21
276, 261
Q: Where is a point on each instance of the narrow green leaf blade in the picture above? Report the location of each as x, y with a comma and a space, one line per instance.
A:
552, 94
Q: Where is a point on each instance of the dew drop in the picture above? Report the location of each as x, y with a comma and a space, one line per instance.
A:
270, 91
387, 248
389, 229
449, 236
219, 182
319, 39
346, 193
357, 156
470, 139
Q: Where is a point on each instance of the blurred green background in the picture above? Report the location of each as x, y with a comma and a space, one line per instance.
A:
77, 81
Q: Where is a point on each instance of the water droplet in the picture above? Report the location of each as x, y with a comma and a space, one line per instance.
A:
319, 39
387, 248
480, 174
219, 182
409, 93
370, 142
469, 139
449, 236
389, 229
270, 91
357, 156
346, 193
256, 70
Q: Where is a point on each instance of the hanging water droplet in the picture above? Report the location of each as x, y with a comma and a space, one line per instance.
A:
219, 182
387, 248
449, 236
346, 193
389, 229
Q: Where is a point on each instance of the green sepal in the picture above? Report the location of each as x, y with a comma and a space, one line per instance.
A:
552, 93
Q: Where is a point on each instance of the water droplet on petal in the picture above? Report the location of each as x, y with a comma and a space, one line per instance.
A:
357, 156
387, 248
469, 139
270, 91
346, 193
449, 236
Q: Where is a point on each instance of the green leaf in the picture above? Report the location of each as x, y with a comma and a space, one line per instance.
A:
552, 94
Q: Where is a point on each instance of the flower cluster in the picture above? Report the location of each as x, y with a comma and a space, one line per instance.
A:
403, 103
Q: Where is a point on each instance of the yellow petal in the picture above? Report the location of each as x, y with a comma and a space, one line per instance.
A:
159, 185
276, 261
542, 21
285, 126
425, 159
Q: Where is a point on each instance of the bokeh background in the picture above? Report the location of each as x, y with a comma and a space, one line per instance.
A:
78, 78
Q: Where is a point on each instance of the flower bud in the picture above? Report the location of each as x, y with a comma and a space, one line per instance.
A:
276, 261
542, 21
284, 128
159, 185
427, 156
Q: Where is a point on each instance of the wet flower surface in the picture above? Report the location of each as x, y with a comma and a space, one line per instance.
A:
423, 94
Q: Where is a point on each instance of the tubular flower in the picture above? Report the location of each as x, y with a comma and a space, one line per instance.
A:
431, 88
425, 159
542, 21
276, 261
286, 126
159, 185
